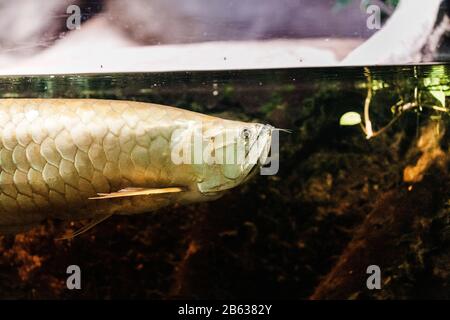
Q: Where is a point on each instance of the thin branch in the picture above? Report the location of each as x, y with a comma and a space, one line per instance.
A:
393, 120
367, 122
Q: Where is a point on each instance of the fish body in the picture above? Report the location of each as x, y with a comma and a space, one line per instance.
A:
58, 155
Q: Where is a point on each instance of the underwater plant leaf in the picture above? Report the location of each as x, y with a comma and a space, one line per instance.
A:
378, 84
350, 119
439, 95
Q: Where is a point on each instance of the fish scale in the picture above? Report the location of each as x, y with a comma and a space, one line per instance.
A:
55, 154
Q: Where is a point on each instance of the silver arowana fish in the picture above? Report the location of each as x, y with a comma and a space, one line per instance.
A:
82, 158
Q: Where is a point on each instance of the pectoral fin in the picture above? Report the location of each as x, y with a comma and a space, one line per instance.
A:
131, 192
85, 228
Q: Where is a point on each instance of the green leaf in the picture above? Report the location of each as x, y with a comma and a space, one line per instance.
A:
439, 95
350, 119
377, 85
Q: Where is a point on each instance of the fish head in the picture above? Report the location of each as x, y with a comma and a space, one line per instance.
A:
232, 152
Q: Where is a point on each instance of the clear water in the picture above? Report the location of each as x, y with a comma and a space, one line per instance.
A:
276, 236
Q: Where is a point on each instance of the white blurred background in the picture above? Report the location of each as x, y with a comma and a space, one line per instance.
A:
158, 35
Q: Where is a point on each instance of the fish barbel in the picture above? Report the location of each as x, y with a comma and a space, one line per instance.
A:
85, 158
